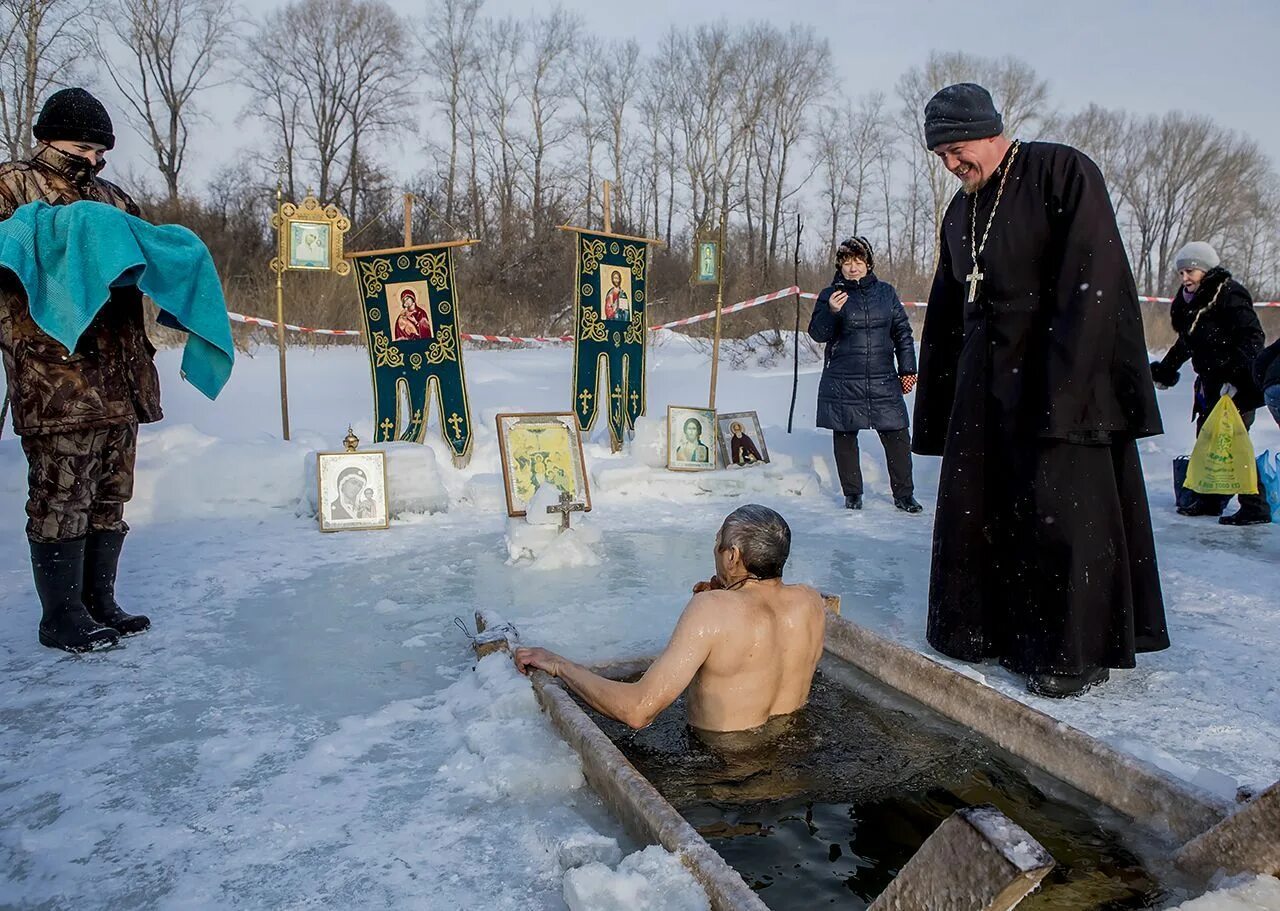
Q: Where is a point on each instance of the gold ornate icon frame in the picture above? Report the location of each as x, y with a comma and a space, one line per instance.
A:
310, 212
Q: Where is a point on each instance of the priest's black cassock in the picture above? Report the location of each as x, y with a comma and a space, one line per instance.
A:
1034, 395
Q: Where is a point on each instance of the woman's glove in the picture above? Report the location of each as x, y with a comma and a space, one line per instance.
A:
1163, 376
1228, 390
908, 383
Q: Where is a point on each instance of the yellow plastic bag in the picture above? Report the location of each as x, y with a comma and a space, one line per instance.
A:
1222, 460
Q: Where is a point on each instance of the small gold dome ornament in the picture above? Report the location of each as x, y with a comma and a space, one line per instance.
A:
351, 442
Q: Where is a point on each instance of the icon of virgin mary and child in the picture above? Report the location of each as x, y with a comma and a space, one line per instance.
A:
413, 321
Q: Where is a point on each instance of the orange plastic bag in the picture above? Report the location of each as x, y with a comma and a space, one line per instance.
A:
1222, 461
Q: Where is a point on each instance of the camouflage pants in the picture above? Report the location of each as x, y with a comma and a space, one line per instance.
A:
79, 481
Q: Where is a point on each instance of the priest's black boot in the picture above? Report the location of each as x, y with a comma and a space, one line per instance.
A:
908, 504
101, 561
854, 502
1060, 686
59, 576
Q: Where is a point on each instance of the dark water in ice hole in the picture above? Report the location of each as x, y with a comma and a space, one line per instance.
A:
830, 808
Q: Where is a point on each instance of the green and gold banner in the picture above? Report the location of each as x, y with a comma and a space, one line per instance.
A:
413, 326
609, 331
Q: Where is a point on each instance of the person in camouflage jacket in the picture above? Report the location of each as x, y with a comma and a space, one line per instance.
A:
77, 411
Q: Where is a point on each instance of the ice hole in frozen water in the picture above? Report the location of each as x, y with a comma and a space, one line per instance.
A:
826, 806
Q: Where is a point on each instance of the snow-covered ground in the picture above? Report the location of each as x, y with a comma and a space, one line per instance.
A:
302, 726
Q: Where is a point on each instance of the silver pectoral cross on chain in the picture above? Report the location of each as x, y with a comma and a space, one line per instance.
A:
974, 279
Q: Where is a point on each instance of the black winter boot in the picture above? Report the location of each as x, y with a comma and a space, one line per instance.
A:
854, 502
59, 576
1254, 510
101, 560
908, 504
1061, 686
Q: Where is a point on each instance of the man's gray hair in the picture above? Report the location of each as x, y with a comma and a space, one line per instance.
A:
762, 537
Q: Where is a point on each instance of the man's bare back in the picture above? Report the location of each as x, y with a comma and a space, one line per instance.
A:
766, 639
745, 647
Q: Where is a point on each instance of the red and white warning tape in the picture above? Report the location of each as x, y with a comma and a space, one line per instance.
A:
270, 324
687, 321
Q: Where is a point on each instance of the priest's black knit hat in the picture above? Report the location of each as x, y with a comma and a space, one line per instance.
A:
959, 112
75, 115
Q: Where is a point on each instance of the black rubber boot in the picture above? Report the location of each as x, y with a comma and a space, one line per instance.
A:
59, 575
101, 560
1254, 510
1060, 686
1204, 504
854, 502
908, 504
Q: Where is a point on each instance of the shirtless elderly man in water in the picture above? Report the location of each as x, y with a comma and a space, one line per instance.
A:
746, 645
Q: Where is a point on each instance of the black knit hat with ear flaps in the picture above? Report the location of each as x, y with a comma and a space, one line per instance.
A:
858, 247
76, 116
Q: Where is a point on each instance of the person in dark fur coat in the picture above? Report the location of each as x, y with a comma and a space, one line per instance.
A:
865, 328
1219, 332
77, 412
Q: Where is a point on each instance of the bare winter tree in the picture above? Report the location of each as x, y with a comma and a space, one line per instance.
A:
41, 43
450, 29
327, 75
164, 53
618, 86
590, 128
547, 87
501, 45
799, 79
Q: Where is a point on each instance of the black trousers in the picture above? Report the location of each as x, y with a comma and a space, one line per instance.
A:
897, 452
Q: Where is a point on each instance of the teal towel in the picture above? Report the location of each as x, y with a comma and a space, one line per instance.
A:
68, 258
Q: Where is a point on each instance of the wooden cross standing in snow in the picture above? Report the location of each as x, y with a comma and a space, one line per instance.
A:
566, 506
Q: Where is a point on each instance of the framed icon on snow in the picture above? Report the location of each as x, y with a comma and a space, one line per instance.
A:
540, 449
691, 438
353, 491
741, 439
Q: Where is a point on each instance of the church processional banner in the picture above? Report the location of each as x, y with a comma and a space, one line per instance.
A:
609, 331
413, 328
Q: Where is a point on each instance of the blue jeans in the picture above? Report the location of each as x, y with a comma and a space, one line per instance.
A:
1272, 395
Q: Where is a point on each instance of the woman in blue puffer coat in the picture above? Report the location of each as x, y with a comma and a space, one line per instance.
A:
865, 328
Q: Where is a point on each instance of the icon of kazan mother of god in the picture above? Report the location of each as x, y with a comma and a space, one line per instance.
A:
413, 322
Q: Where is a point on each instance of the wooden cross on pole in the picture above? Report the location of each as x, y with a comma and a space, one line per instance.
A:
567, 505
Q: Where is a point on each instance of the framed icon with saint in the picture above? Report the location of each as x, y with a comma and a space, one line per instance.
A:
311, 238
706, 260
691, 438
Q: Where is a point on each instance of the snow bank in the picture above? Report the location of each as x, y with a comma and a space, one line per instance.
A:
1260, 893
649, 880
507, 748
415, 484
642, 471
535, 540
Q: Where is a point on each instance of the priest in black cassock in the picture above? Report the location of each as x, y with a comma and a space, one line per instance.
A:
1034, 387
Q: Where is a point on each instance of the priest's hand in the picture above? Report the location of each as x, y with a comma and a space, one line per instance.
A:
530, 659
1228, 390
908, 383
711, 585
837, 301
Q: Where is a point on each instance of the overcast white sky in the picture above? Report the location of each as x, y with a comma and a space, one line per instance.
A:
1216, 57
